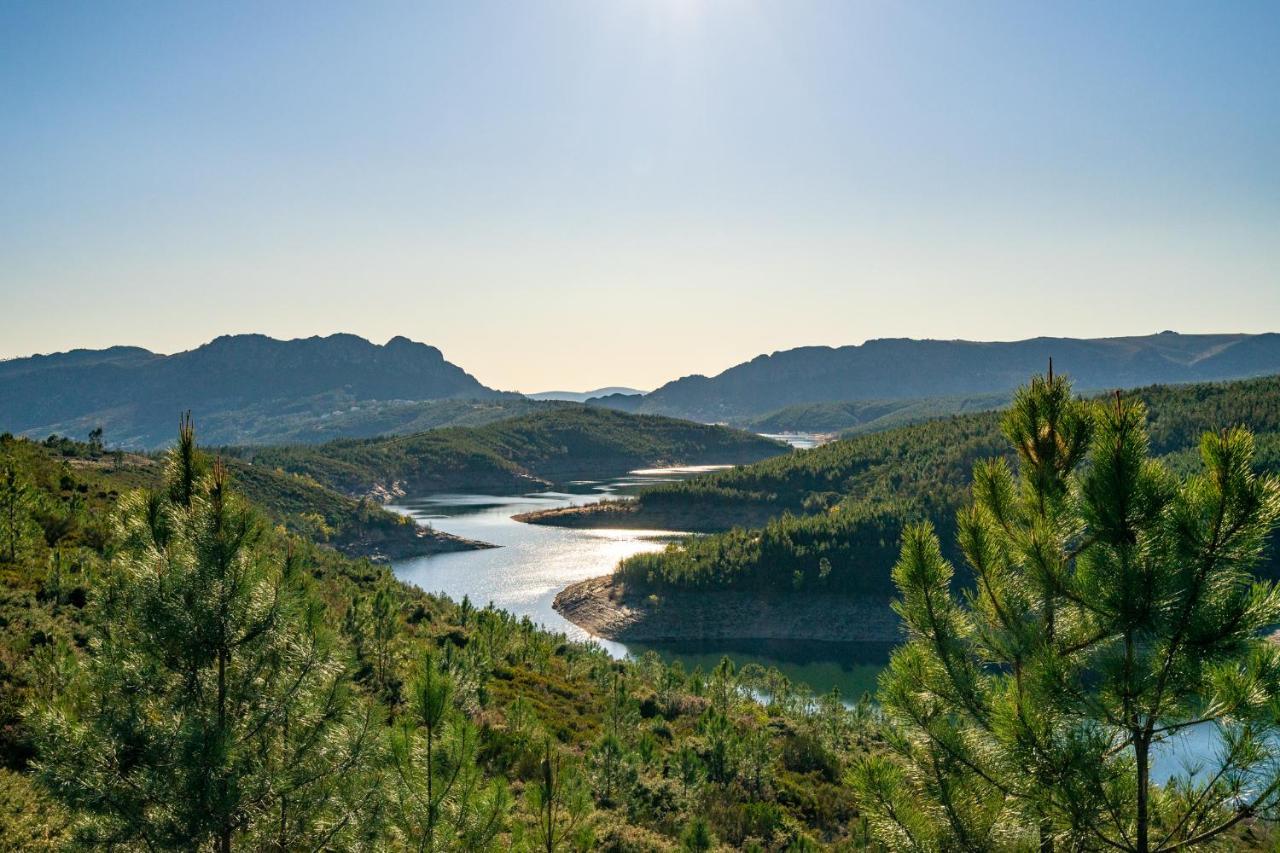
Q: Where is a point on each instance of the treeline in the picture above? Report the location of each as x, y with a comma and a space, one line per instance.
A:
516, 453
178, 672
838, 510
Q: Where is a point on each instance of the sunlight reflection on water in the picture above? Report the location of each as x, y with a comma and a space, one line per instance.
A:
535, 562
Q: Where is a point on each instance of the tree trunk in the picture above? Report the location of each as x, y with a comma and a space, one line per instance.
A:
1141, 751
224, 830
431, 772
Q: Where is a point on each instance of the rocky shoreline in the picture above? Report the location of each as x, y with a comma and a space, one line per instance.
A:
417, 542
607, 609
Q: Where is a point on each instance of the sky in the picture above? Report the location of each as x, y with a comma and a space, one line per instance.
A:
575, 194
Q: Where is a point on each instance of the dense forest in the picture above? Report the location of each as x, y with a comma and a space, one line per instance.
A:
179, 673
516, 454
836, 512
854, 417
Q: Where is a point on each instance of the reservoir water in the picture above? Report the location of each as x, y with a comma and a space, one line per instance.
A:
534, 562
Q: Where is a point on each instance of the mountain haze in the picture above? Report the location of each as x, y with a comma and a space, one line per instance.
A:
583, 396
902, 368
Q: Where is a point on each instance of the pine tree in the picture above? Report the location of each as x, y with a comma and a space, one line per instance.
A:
561, 805
17, 501
213, 711
1112, 608
445, 802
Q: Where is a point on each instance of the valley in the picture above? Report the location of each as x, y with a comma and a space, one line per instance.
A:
572, 566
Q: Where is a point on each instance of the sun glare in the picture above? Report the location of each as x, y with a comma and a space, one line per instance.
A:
679, 15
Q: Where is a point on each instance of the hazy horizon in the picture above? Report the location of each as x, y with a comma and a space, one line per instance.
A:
569, 195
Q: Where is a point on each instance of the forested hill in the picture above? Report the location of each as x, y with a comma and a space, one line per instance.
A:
241, 389
351, 711
900, 369
515, 454
84, 479
837, 511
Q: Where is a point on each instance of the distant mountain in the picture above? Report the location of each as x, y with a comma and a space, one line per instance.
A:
905, 369
584, 396
231, 385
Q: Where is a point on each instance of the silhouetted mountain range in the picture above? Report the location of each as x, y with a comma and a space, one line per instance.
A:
901, 368
136, 395
583, 396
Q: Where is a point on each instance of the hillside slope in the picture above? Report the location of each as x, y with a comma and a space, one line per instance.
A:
516, 454
86, 478
903, 369
829, 519
520, 694
229, 384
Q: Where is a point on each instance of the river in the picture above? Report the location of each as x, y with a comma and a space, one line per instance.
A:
534, 562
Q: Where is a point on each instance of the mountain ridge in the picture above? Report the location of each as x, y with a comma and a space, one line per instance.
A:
135, 395
908, 368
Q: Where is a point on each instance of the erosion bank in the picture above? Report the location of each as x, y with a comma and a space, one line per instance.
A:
607, 608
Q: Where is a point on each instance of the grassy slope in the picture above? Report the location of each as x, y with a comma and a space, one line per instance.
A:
846, 502
515, 454
563, 688
295, 502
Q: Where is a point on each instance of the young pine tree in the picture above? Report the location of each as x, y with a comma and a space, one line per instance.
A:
444, 801
213, 710
1112, 608
17, 502
560, 804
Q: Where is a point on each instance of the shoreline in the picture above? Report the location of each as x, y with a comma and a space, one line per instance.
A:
629, 514
421, 542
609, 610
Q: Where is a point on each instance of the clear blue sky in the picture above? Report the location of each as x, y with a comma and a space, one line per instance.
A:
573, 194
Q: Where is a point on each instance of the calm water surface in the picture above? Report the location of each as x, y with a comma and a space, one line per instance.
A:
801, 440
535, 562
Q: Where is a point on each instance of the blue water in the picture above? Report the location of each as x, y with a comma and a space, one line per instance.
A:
535, 562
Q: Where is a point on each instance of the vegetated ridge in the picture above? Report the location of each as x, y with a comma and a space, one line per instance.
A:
514, 455
905, 369
826, 522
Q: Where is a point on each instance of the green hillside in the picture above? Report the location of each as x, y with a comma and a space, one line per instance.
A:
836, 512
514, 454
355, 700
86, 476
854, 417
326, 417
